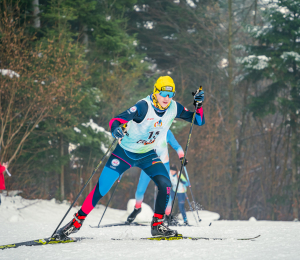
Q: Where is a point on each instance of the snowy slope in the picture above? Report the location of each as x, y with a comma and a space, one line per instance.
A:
279, 240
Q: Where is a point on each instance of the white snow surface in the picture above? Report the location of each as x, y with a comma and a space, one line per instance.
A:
279, 240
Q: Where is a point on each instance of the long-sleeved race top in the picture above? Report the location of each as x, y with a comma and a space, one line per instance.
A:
147, 126
138, 112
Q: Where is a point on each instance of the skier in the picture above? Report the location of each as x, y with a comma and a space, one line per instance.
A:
162, 151
148, 123
181, 192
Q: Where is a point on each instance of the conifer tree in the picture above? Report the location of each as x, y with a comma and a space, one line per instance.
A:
275, 57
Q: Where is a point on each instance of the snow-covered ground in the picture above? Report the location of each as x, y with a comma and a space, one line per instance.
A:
279, 240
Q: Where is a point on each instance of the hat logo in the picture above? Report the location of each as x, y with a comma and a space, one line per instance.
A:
168, 88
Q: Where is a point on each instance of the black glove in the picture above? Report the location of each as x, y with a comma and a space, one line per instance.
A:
198, 98
185, 162
118, 133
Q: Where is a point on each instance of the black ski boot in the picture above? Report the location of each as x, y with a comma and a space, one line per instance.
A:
171, 220
72, 227
186, 223
133, 215
158, 228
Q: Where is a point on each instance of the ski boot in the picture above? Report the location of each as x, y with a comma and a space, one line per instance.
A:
158, 228
186, 223
171, 220
72, 227
133, 215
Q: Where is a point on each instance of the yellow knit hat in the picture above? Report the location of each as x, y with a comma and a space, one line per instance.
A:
164, 83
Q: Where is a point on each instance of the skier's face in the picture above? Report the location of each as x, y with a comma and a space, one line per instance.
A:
163, 101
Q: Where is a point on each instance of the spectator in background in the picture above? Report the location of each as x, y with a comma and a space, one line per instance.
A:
2, 181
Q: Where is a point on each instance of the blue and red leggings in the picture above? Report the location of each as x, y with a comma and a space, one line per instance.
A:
120, 161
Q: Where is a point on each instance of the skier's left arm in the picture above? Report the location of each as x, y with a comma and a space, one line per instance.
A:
187, 115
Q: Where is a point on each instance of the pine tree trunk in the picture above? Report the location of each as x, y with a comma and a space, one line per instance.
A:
234, 177
36, 11
85, 37
294, 173
255, 12
240, 140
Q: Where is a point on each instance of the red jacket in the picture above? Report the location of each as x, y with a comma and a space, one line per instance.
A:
2, 181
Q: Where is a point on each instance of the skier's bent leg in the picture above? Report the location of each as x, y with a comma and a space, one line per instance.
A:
114, 167
106, 181
160, 176
164, 187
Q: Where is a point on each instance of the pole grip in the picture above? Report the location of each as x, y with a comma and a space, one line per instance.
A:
195, 93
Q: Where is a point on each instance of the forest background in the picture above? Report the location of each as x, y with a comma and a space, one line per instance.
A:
67, 67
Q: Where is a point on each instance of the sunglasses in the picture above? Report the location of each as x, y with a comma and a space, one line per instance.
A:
167, 93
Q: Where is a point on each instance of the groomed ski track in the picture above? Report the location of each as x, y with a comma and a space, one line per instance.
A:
279, 240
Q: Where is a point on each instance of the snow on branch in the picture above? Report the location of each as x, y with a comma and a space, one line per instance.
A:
95, 127
254, 62
9, 73
290, 54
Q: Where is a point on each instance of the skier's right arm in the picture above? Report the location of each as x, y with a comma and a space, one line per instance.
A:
136, 113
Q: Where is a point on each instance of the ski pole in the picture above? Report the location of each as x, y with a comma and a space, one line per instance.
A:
186, 148
191, 208
110, 199
187, 176
93, 173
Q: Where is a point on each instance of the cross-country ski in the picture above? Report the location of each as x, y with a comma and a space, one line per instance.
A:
181, 237
42, 242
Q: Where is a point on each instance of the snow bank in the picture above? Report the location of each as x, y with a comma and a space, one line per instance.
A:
204, 215
252, 219
16, 209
